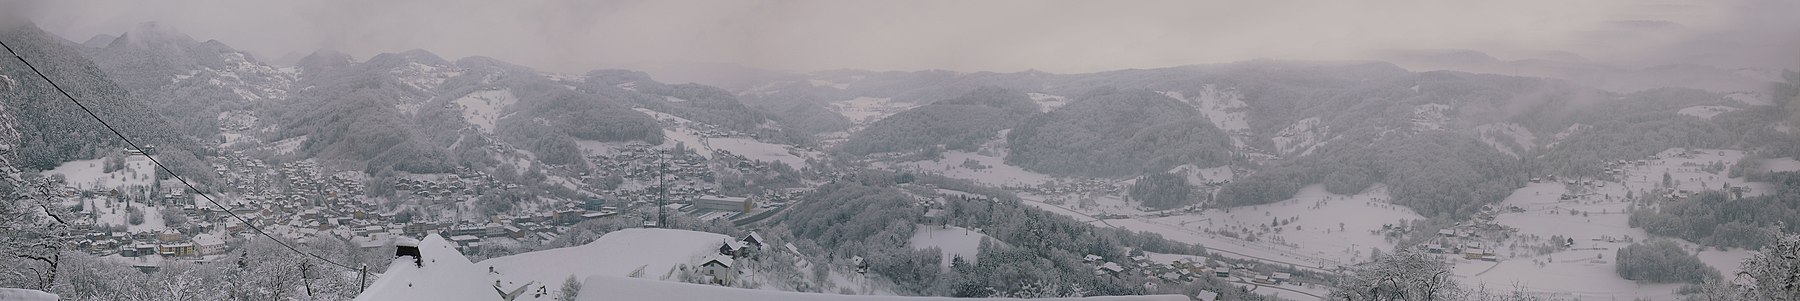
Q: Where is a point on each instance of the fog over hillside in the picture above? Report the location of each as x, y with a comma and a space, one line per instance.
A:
900, 150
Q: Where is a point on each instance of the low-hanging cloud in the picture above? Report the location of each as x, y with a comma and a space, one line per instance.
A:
1004, 35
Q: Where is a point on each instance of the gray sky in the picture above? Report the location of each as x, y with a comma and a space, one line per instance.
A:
1005, 35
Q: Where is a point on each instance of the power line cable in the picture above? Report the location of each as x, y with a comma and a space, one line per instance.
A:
165, 168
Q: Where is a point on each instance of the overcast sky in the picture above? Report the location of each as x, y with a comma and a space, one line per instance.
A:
1056, 36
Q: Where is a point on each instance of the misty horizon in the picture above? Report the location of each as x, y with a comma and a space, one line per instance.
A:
1057, 37
877, 150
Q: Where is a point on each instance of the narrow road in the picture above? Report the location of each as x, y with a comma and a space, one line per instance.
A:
1254, 286
1297, 265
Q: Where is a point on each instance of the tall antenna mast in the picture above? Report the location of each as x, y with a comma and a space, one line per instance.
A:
662, 219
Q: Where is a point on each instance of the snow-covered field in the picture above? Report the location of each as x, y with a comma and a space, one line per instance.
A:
89, 174
1586, 270
1196, 175
1319, 230
482, 108
863, 110
1047, 102
1507, 137
1225, 108
995, 173
1585, 274
749, 148
760, 151
652, 253
1750, 98
1317, 226
1706, 112
954, 241
612, 288
1780, 164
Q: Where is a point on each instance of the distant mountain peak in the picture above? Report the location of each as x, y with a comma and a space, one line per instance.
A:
100, 41
325, 59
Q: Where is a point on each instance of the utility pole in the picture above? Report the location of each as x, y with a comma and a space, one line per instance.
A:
662, 219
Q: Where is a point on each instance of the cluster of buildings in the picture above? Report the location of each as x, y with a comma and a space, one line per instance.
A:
722, 268
1074, 187
1186, 269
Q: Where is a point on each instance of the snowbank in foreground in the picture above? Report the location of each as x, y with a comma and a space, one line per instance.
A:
445, 276
613, 288
19, 294
654, 252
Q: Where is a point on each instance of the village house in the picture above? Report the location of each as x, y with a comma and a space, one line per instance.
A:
720, 270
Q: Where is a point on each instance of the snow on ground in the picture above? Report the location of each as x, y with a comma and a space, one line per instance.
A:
89, 174
749, 148
445, 275
614, 288
1564, 134
1584, 274
864, 110
1196, 175
19, 294
1586, 270
1431, 117
954, 241
995, 173
655, 252
760, 151
1507, 137
1225, 108
1749, 98
1706, 112
482, 108
826, 83
287, 146
1321, 230
1688, 174
1780, 164
1302, 135
424, 77
591, 147
1047, 102
1325, 225
1728, 262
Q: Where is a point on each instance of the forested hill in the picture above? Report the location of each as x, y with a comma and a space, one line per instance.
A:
1114, 132
414, 111
188, 81
54, 130
961, 123
1445, 142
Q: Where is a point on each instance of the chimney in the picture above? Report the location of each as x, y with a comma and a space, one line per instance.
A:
408, 247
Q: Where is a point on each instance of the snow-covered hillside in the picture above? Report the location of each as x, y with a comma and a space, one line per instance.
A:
1706, 112
1303, 135
1225, 108
482, 108
1509, 138
90, 174
1047, 102
615, 288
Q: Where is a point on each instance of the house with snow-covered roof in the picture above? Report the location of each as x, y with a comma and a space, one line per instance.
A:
733, 248
719, 270
1109, 268
754, 240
